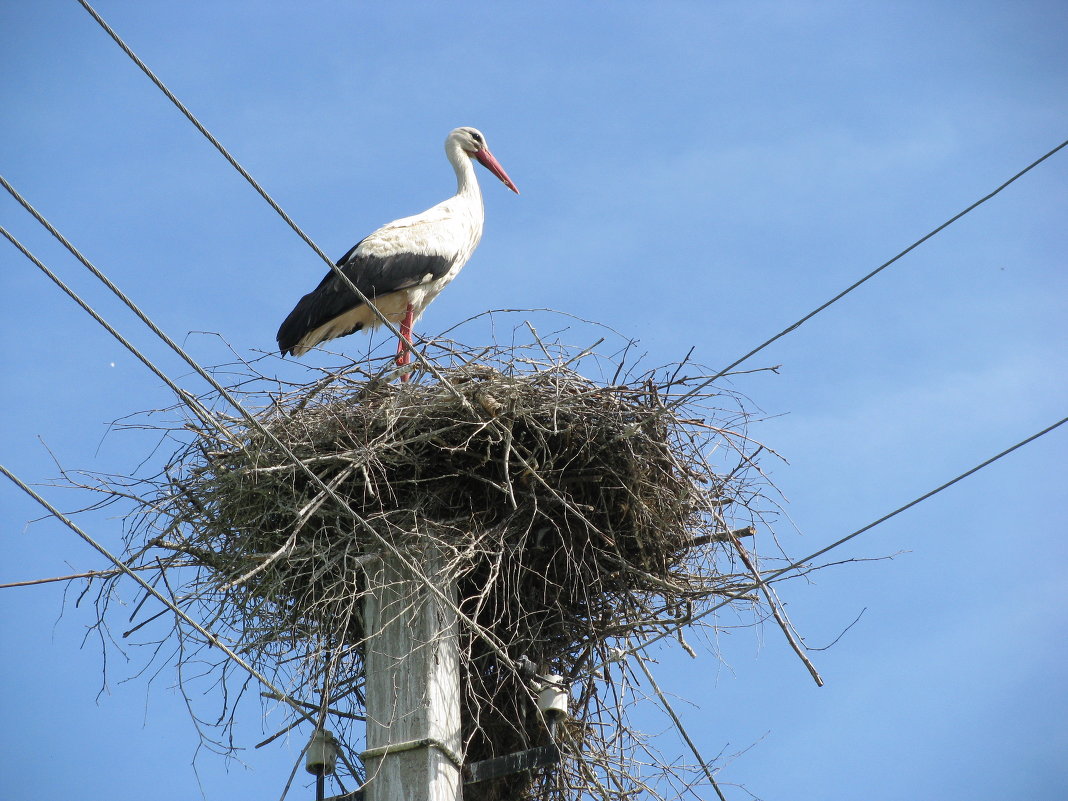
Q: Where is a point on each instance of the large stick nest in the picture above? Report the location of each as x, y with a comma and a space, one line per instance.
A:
576, 516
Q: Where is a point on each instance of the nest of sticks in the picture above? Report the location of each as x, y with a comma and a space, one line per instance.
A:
575, 517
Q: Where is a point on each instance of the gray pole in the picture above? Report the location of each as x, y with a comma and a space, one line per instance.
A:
413, 685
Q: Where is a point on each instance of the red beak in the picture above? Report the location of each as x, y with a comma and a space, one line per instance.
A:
485, 158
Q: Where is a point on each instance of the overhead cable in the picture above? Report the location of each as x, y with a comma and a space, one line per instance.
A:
270, 435
676, 401
775, 574
198, 409
121, 565
345, 280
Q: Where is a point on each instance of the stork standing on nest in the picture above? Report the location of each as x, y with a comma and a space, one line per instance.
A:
403, 265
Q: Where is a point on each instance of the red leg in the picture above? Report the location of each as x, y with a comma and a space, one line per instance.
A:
404, 344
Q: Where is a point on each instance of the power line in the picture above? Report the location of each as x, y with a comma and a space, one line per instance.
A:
121, 565
760, 581
769, 577
198, 409
765, 579
258, 425
159, 332
872, 274
203, 130
918, 500
346, 281
195, 406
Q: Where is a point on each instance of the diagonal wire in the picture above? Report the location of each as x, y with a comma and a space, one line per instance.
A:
263, 193
211, 638
159, 332
677, 401
203, 130
330, 492
771, 576
200, 411
638, 649
191, 401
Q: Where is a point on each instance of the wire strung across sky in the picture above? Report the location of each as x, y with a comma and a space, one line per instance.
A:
189, 400
251, 419
207, 134
194, 405
121, 565
775, 574
763, 579
204, 415
345, 280
872, 274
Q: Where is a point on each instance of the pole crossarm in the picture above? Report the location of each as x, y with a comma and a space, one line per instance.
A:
494, 768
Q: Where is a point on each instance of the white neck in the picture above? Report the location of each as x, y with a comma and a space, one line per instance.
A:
466, 181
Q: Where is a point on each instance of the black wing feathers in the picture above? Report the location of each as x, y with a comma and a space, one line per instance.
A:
374, 276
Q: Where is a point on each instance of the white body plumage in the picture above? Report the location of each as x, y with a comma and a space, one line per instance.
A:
403, 265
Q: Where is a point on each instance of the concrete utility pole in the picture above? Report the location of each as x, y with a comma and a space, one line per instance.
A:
413, 682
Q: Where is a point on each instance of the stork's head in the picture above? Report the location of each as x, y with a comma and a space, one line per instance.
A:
473, 143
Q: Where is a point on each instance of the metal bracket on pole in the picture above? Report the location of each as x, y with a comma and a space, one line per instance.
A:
553, 695
355, 795
425, 742
484, 770
511, 763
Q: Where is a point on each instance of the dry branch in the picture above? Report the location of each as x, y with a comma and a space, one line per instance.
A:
575, 516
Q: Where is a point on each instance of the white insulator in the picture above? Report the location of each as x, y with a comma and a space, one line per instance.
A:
321, 756
553, 697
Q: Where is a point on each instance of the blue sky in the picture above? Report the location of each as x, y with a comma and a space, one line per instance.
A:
693, 174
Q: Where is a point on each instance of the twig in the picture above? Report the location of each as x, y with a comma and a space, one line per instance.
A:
316, 707
678, 724
90, 574
722, 536
775, 610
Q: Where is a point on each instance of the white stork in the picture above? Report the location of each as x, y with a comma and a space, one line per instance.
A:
403, 265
